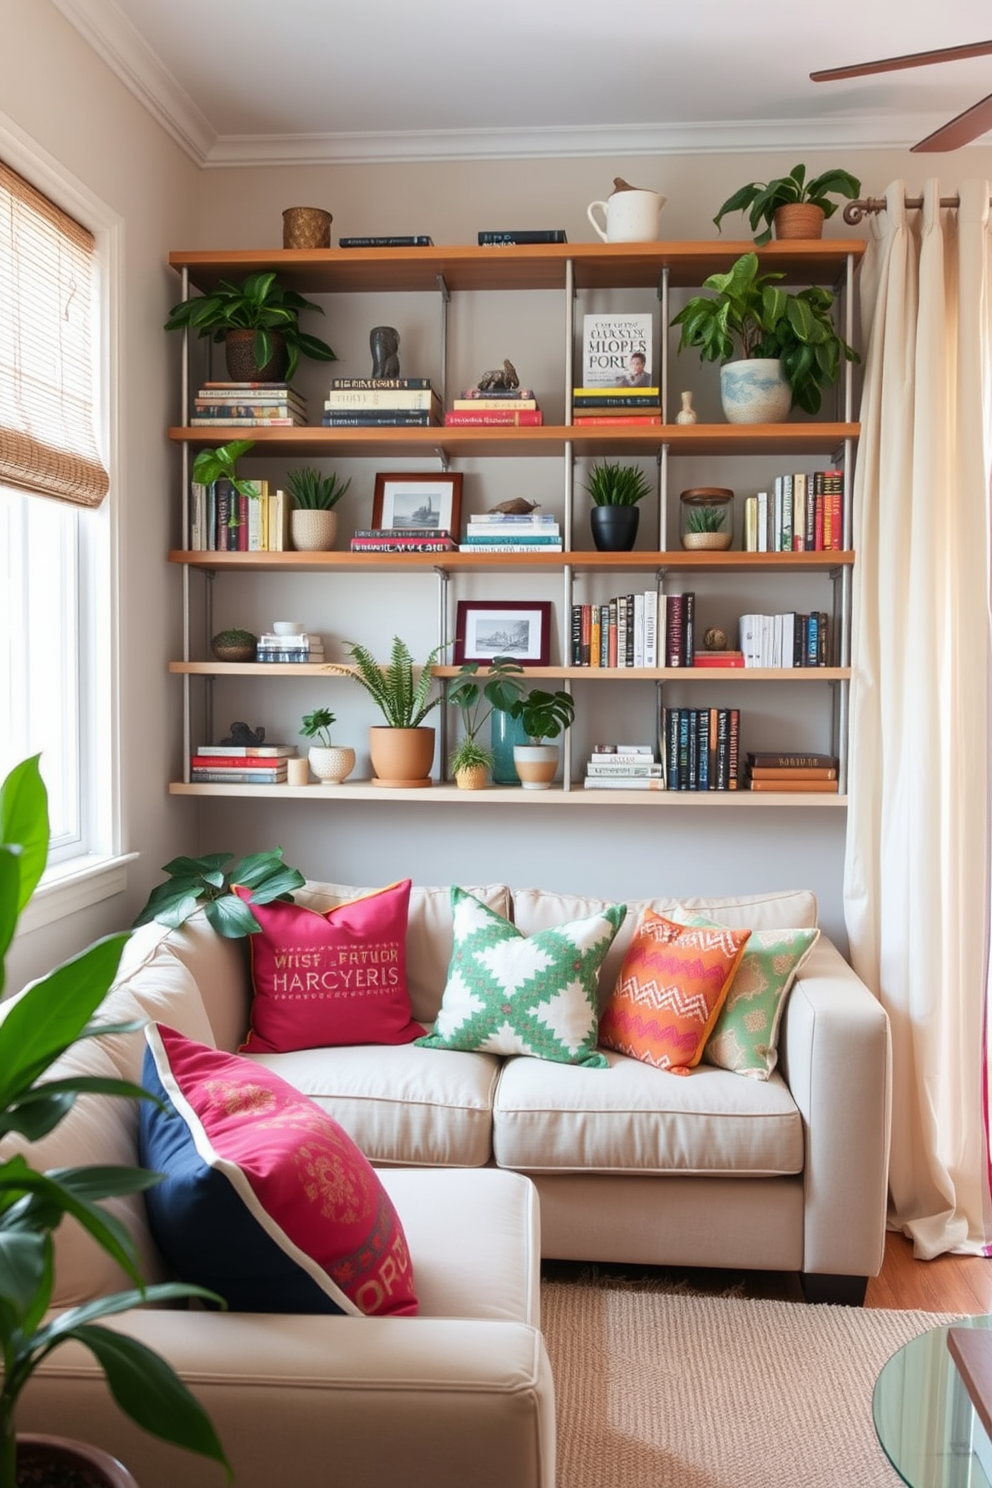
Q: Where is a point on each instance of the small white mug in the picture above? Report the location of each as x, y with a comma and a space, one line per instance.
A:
630, 216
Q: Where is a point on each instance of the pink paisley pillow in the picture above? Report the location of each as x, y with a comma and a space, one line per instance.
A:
333, 978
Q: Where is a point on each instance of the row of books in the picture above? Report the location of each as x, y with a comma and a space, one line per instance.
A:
623, 767
645, 629
701, 748
234, 764
803, 512
225, 520
785, 640
307, 647
508, 532
810, 773
248, 404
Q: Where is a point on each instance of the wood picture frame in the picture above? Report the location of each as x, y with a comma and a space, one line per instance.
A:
517, 628
418, 499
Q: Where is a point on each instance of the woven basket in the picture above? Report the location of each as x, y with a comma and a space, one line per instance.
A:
306, 227
799, 220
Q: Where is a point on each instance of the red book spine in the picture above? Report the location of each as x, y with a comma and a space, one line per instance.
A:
510, 416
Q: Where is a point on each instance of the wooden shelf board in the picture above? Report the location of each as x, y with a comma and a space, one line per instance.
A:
674, 561
559, 673
519, 267
364, 790
813, 437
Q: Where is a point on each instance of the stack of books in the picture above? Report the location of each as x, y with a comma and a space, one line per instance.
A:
381, 401
785, 640
224, 520
253, 764
293, 648
629, 405
248, 404
503, 532
792, 772
623, 767
403, 540
496, 406
701, 748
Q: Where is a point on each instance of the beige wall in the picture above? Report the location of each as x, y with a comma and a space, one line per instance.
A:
58, 93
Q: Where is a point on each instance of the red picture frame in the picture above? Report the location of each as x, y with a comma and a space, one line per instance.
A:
418, 499
517, 628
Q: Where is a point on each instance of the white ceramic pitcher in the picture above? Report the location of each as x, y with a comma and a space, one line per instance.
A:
630, 216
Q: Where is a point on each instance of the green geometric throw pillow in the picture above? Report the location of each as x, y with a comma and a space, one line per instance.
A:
509, 993
745, 1037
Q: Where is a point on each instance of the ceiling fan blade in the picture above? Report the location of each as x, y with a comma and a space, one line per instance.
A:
912, 59
960, 131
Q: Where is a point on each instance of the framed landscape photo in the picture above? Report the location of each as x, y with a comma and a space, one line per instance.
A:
418, 500
486, 628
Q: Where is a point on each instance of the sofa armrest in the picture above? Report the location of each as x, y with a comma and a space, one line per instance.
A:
835, 1054
303, 1399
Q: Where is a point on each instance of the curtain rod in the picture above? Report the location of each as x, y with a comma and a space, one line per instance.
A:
856, 210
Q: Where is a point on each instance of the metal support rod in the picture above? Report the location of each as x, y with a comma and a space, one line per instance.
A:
442, 640
569, 493
663, 295
565, 630
445, 300
569, 338
663, 497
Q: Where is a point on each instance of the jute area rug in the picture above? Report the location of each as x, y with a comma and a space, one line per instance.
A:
662, 1390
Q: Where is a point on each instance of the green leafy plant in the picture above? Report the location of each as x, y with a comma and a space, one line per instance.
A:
402, 702
705, 518
207, 881
762, 199
613, 484
312, 491
500, 690
544, 715
750, 315
317, 725
221, 464
261, 304
234, 637
41, 1025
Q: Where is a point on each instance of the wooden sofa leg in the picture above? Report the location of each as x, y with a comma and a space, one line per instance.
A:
844, 1291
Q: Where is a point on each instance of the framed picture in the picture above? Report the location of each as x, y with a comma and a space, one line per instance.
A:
486, 628
418, 500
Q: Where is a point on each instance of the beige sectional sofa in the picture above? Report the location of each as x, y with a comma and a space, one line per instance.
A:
491, 1162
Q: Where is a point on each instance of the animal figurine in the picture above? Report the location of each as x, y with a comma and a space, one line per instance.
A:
243, 736
499, 377
384, 342
518, 506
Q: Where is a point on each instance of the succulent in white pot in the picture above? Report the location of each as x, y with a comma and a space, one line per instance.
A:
331, 763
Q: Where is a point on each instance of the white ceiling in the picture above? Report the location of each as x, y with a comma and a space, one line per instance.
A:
305, 81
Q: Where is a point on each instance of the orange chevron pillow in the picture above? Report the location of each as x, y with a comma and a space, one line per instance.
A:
672, 985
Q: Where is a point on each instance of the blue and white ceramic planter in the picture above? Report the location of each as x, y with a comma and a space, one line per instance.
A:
755, 391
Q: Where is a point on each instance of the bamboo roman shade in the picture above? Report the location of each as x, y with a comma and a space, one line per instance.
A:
47, 429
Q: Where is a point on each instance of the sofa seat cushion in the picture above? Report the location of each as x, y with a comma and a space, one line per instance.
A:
400, 1103
632, 1118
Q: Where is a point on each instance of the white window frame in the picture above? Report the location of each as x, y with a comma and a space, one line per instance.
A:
98, 869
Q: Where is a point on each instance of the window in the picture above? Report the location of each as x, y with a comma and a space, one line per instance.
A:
56, 590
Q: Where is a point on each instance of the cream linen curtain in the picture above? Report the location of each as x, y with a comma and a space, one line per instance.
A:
917, 870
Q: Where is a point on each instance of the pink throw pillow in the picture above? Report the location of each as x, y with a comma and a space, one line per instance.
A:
333, 978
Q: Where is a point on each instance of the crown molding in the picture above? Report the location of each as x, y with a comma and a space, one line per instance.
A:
131, 59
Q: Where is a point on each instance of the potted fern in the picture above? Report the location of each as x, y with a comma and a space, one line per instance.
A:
313, 522
402, 748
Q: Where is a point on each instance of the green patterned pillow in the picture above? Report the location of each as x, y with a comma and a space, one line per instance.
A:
745, 1037
509, 993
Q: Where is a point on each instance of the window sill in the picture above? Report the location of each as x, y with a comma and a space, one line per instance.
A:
68, 887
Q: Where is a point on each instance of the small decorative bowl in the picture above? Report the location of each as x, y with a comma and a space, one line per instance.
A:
287, 627
224, 650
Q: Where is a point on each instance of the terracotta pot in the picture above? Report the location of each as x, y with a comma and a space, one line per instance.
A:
402, 757
536, 765
473, 777
57, 1462
798, 220
331, 763
313, 530
239, 353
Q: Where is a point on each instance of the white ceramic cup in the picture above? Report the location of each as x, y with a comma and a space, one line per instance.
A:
298, 771
630, 216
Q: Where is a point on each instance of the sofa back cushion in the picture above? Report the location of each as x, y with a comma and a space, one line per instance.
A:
219, 965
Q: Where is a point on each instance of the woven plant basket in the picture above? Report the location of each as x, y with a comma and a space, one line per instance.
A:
239, 353
799, 220
306, 227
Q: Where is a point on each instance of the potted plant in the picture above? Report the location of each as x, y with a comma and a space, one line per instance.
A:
50, 1016
470, 761
786, 344
793, 206
234, 644
544, 715
331, 763
258, 321
313, 522
707, 517
615, 490
402, 748
220, 463
209, 881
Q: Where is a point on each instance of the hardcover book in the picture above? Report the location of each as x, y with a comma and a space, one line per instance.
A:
505, 237
352, 384
416, 240
617, 351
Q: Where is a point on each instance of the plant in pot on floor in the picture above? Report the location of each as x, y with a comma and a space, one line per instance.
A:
402, 748
791, 205
544, 715
331, 763
313, 522
258, 321
777, 349
615, 490
470, 761
40, 1025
